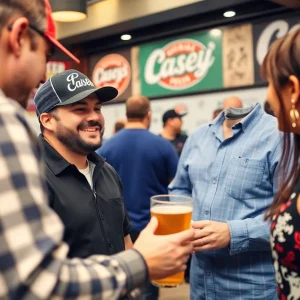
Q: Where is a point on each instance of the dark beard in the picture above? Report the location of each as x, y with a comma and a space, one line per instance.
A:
74, 142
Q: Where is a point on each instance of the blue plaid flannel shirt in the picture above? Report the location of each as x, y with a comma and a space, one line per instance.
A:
33, 263
233, 181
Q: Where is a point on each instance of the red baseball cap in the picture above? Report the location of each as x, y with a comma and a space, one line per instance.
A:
50, 33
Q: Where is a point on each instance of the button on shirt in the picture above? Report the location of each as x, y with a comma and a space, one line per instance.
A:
233, 181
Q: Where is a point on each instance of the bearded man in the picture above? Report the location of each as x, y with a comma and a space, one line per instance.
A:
84, 190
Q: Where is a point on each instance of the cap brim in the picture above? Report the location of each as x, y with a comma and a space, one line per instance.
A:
104, 94
182, 115
57, 44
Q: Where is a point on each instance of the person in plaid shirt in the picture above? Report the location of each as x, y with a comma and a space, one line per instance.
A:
33, 263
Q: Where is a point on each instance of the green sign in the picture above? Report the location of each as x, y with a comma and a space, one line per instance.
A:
187, 64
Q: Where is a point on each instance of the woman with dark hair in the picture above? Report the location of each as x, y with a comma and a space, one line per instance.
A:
281, 68
268, 109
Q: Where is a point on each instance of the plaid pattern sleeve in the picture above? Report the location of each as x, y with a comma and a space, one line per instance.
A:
33, 263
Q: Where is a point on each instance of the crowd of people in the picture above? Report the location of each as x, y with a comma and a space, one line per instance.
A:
75, 219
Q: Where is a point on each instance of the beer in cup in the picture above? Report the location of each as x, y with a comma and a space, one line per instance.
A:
174, 214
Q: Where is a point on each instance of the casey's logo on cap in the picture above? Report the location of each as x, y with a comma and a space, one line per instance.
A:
112, 70
74, 84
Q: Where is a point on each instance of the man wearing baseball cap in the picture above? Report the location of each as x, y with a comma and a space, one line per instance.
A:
172, 128
33, 257
83, 189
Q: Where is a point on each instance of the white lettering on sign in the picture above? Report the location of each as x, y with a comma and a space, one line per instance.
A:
278, 29
114, 74
54, 67
182, 70
112, 70
75, 84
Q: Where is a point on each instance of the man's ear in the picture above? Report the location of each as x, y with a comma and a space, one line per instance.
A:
17, 34
48, 121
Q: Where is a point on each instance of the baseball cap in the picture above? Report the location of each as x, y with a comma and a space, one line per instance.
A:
66, 88
50, 33
173, 113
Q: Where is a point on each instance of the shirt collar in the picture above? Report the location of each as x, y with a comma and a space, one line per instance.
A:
217, 122
57, 163
254, 114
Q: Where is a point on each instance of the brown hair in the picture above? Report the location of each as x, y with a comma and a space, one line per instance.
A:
137, 107
33, 10
119, 125
53, 113
282, 61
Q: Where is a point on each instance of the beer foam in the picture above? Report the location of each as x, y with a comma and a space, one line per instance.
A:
171, 209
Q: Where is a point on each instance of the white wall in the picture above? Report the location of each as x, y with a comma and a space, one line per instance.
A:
200, 109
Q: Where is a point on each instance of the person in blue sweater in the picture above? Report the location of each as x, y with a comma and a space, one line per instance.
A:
146, 164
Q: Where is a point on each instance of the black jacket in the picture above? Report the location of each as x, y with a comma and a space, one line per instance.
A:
95, 220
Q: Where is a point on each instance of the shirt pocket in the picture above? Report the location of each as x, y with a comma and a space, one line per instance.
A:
114, 213
244, 177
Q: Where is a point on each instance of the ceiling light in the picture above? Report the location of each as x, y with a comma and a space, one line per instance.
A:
125, 37
215, 32
69, 10
229, 14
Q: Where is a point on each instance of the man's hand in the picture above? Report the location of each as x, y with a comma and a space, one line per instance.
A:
165, 255
210, 235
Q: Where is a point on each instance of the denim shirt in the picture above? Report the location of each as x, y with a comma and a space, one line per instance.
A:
233, 181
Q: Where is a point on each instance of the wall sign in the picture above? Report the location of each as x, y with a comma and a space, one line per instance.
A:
188, 64
112, 70
264, 34
238, 69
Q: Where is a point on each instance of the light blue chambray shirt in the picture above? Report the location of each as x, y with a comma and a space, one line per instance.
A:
233, 181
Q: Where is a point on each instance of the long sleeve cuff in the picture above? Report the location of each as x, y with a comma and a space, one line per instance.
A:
134, 266
239, 241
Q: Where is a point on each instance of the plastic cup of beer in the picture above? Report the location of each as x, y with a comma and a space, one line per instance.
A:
174, 214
